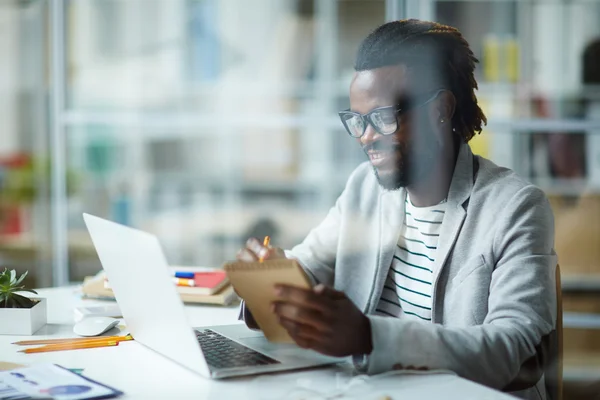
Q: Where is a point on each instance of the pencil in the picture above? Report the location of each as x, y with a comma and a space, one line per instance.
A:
266, 244
68, 346
75, 340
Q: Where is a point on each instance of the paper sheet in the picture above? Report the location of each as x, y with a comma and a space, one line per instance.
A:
49, 381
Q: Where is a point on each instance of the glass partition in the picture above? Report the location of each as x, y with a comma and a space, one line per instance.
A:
207, 122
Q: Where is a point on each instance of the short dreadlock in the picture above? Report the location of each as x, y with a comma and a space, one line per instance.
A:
437, 53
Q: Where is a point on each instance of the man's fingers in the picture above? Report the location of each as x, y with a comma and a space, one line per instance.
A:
302, 342
304, 316
276, 252
326, 349
246, 255
302, 332
257, 248
307, 338
329, 292
305, 298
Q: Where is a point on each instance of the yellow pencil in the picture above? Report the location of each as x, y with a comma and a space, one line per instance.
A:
64, 347
266, 244
74, 340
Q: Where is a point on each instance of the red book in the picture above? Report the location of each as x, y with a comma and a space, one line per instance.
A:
206, 283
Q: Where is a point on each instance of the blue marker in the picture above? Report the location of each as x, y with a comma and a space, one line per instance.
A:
186, 275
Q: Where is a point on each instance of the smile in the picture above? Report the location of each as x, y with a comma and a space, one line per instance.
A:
379, 158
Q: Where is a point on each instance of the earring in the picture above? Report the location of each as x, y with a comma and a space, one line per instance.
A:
442, 120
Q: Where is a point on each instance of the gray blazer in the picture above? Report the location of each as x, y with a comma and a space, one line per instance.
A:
494, 300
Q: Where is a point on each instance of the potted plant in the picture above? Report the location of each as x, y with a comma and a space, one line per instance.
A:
22, 180
20, 315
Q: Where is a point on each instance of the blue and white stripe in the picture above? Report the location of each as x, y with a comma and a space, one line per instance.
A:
408, 289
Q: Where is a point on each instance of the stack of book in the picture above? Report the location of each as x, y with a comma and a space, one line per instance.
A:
194, 285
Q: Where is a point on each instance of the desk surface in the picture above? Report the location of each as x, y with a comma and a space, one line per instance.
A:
143, 374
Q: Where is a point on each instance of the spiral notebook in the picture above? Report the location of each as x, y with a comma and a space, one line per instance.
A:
255, 283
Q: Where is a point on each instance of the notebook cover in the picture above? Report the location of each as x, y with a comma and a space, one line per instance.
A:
255, 283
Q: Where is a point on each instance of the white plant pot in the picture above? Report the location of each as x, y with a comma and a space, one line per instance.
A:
23, 321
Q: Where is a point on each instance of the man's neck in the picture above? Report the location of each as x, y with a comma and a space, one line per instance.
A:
434, 189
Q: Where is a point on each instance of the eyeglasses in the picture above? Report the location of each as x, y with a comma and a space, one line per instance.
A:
383, 119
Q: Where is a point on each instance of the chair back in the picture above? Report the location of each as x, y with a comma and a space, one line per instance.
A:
553, 371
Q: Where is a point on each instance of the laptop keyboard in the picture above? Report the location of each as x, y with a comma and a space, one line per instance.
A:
221, 352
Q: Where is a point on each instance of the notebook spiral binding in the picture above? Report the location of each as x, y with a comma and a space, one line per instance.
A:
269, 264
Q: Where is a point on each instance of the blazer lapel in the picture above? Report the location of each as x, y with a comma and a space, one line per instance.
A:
391, 217
459, 193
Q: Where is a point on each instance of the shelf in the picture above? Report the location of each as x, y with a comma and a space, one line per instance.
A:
552, 186
583, 283
581, 366
250, 90
581, 374
580, 283
545, 125
565, 187
236, 184
576, 320
182, 124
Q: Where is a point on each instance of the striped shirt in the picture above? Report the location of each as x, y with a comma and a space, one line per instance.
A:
408, 288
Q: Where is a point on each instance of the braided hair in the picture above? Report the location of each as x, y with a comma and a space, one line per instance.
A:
437, 55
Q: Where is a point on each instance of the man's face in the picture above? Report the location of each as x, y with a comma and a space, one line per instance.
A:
409, 154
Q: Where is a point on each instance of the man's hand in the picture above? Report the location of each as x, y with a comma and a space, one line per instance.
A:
323, 319
254, 250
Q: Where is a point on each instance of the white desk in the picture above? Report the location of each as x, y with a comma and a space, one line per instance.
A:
143, 374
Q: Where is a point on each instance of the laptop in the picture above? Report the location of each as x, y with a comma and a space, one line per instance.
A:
143, 287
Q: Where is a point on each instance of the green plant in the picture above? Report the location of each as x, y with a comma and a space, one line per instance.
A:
25, 177
9, 286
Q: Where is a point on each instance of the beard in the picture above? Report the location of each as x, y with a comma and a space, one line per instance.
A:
410, 165
396, 178
393, 180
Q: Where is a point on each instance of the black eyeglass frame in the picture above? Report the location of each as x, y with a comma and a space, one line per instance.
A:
366, 118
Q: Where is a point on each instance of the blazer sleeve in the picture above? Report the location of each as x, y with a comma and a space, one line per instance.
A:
317, 253
521, 307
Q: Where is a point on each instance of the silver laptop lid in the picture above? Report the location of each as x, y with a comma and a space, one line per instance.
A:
140, 279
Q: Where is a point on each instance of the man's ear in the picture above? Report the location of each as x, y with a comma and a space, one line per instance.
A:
441, 116
446, 104
443, 109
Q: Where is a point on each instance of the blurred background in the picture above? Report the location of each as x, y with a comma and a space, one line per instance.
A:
207, 121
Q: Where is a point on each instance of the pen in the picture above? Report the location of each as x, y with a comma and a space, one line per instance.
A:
266, 244
184, 282
186, 275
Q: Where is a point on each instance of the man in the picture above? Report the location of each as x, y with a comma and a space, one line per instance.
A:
431, 258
